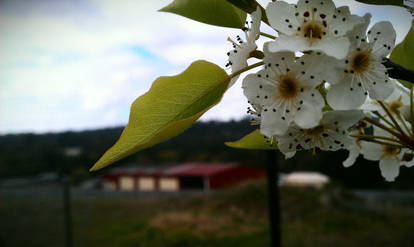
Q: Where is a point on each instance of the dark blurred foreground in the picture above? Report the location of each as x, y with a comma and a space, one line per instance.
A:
234, 217
32, 212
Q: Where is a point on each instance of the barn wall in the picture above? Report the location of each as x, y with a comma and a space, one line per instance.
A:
112, 181
109, 185
234, 176
191, 182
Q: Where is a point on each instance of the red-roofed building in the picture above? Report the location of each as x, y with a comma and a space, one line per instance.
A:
188, 176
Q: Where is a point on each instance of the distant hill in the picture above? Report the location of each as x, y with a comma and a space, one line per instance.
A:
27, 154
30, 154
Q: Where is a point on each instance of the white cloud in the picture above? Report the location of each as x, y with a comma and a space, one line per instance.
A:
71, 70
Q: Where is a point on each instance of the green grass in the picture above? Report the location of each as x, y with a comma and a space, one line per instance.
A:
235, 217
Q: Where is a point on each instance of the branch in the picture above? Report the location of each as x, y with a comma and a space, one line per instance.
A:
397, 71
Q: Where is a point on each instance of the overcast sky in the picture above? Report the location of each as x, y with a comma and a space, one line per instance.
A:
73, 65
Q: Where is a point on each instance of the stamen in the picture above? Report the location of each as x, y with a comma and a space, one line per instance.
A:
234, 43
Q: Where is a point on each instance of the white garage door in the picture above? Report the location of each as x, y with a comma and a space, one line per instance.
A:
126, 183
169, 184
146, 184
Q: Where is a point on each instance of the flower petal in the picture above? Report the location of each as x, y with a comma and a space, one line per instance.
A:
343, 97
390, 168
288, 43
335, 47
379, 85
238, 58
274, 121
343, 21
317, 67
409, 163
320, 10
353, 155
371, 151
309, 113
333, 140
357, 35
281, 16
406, 112
343, 119
258, 90
289, 155
382, 35
278, 62
255, 28
288, 142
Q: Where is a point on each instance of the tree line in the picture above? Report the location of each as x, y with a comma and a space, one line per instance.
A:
31, 154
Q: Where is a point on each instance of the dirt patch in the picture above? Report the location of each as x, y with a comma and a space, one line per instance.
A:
200, 223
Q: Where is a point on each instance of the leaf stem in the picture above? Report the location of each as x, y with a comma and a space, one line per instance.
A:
404, 139
380, 125
383, 143
397, 126
375, 137
383, 118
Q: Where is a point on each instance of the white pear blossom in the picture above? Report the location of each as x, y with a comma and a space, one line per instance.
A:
285, 90
391, 158
241, 52
311, 25
394, 103
362, 72
331, 134
354, 149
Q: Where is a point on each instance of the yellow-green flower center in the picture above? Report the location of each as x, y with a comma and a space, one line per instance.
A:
288, 88
361, 62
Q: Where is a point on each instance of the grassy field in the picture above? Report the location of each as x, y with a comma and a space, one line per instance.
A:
235, 217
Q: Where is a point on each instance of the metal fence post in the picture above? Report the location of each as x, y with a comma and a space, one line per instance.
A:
67, 211
273, 199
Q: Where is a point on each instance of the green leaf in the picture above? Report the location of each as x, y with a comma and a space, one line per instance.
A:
384, 2
172, 105
214, 12
254, 140
249, 6
403, 53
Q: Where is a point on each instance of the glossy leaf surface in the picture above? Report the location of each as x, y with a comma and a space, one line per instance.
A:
403, 53
254, 140
172, 105
214, 12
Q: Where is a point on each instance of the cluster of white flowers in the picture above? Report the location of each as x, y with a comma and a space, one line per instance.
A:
321, 77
